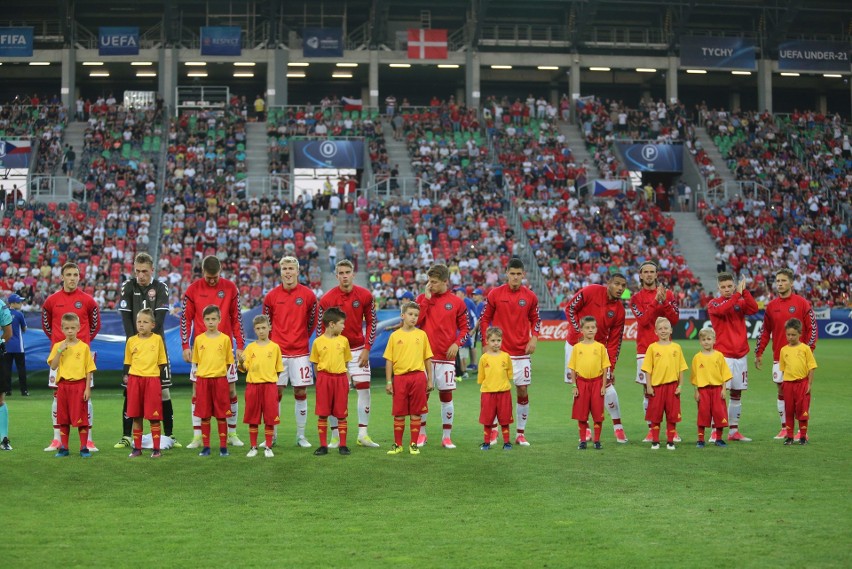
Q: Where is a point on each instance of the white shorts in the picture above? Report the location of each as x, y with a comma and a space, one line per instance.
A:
444, 375
522, 370
739, 373
569, 349
297, 372
777, 374
640, 375
359, 374
464, 354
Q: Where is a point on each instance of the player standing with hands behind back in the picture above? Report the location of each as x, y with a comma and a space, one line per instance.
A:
513, 308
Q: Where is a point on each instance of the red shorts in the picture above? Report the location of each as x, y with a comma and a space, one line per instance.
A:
212, 397
71, 408
144, 398
332, 395
496, 404
589, 400
711, 407
797, 403
261, 401
664, 401
409, 394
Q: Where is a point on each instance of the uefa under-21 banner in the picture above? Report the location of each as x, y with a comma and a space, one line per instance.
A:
322, 42
717, 53
652, 157
16, 42
118, 41
810, 55
328, 153
221, 40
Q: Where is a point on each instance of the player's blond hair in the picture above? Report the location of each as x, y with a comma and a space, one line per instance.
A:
289, 260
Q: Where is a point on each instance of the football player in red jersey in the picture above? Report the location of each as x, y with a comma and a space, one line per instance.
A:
292, 310
727, 315
650, 302
513, 308
69, 299
212, 289
778, 311
443, 316
605, 305
357, 303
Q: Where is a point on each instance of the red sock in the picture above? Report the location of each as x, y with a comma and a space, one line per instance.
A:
506, 434
223, 432
253, 436
803, 429
398, 430
63, 436
718, 433
701, 434
791, 424
671, 429
205, 432
616, 421
156, 430
597, 429
84, 437
137, 439
582, 427
269, 433
415, 429
322, 427
342, 426
655, 433
487, 433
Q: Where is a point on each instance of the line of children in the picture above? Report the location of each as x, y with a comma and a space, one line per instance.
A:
587, 365
261, 361
72, 359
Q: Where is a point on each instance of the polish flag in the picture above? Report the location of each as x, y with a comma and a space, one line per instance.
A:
427, 44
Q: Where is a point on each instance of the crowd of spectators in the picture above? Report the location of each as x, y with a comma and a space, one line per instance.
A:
42, 120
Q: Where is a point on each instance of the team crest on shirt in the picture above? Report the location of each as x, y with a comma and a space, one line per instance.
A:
448, 306
791, 310
123, 304
221, 294
78, 305
300, 301
737, 308
610, 314
522, 302
356, 303
152, 294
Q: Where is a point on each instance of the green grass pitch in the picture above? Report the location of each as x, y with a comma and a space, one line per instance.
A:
756, 504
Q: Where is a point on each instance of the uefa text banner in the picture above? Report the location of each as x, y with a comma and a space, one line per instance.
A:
328, 154
221, 40
118, 41
16, 42
427, 44
15, 153
652, 157
322, 42
812, 55
717, 53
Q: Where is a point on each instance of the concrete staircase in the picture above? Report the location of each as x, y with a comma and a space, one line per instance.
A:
577, 144
341, 234
257, 159
697, 248
73, 135
397, 152
715, 156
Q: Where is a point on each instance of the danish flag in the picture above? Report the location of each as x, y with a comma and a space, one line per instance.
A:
427, 44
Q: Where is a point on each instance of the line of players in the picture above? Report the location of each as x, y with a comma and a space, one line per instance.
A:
295, 313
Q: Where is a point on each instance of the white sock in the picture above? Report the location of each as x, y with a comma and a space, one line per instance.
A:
735, 409
301, 416
523, 412
196, 423
364, 399
56, 435
447, 412
423, 424
645, 408
232, 420
611, 402
332, 426
91, 418
782, 412
362, 431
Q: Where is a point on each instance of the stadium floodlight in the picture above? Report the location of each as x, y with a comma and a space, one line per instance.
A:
645, 70
501, 67
599, 69
195, 63
400, 65
740, 72
197, 74
146, 73
99, 74
832, 75
341, 76
789, 74
346, 65
244, 64
298, 64
39, 63
548, 68
697, 71
448, 66
296, 75
141, 63
243, 74
93, 63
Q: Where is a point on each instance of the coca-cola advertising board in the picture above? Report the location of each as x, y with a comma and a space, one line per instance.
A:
557, 330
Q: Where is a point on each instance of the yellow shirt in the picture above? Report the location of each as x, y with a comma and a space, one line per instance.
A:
495, 373
331, 354
408, 351
589, 360
710, 370
664, 363
145, 355
76, 362
795, 362
263, 363
212, 355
